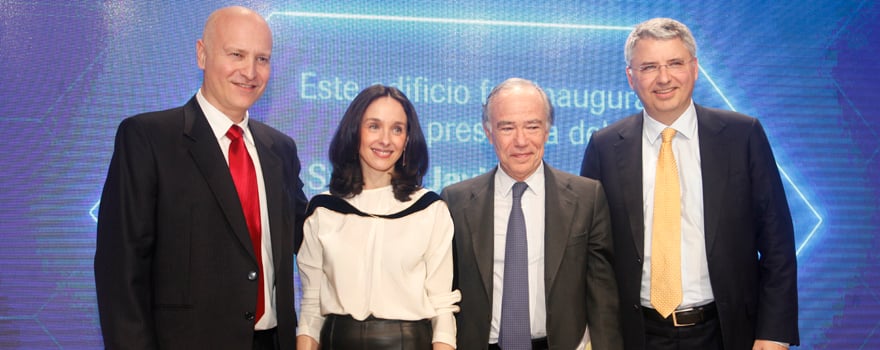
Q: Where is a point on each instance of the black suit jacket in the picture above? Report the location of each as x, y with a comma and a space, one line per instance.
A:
745, 213
173, 252
579, 280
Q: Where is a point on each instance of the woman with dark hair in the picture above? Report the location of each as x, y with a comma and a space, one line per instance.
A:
376, 260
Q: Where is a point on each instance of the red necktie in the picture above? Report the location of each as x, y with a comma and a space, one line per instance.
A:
245, 177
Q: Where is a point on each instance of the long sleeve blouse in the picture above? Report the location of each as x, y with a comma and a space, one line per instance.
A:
388, 268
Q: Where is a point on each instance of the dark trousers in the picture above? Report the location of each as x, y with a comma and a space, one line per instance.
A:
663, 335
537, 344
343, 332
266, 340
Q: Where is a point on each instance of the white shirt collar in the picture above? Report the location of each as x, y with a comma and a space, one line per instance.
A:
220, 123
504, 183
685, 125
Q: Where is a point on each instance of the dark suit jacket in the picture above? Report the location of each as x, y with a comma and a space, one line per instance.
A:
579, 282
173, 251
746, 213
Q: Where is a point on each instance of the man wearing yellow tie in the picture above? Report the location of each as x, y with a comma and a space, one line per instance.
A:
703, 237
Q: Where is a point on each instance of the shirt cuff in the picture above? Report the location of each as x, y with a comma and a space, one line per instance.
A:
444, 329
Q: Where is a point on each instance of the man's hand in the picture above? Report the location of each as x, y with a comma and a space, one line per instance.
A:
306, 342
768, 345
442, 346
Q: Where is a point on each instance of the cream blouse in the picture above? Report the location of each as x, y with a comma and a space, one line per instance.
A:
389, 268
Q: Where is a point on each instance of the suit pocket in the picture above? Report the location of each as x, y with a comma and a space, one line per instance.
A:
578, 239
576, 248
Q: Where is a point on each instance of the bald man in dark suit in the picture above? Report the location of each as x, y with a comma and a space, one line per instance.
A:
189, 256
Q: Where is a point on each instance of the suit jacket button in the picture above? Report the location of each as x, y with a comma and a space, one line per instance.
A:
252, 276
636, 307
639, 260
249, 316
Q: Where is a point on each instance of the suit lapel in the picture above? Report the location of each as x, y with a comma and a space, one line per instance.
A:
629, 164
480, 220
714, 158
206, 153
559, 206
270, 165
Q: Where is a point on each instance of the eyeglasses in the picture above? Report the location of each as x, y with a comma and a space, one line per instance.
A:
654, 68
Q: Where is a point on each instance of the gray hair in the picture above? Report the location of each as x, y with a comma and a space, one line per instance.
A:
659, 29
510, 84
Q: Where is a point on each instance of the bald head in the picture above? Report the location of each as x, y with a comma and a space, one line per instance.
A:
234, 53
224, 16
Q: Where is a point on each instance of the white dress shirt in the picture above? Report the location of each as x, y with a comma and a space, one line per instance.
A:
696, 287
220, 124
533, 210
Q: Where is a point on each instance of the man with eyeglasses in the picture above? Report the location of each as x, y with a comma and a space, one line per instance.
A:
703, 236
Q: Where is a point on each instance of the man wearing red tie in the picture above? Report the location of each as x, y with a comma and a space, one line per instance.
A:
202, 211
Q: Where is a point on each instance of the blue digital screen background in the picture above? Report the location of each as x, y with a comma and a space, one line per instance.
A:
73, 70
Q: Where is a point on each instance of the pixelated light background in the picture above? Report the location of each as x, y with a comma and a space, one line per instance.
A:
74, 70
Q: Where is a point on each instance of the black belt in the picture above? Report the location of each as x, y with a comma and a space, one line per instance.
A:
685, 317
537, 344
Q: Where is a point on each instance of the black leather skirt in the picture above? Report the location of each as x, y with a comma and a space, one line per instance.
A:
343, 332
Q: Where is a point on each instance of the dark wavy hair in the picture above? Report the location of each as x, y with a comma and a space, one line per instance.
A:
347, 178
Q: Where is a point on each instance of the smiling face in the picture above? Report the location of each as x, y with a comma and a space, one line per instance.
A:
665, 92
518, 128
234, 55
383, 138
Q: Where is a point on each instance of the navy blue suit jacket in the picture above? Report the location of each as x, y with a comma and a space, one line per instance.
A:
748, 228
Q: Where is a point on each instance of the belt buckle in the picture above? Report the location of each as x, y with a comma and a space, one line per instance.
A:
675, 319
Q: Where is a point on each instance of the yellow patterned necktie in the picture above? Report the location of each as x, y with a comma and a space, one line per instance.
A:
666, 236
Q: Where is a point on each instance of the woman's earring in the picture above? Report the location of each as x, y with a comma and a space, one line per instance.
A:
403, 157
